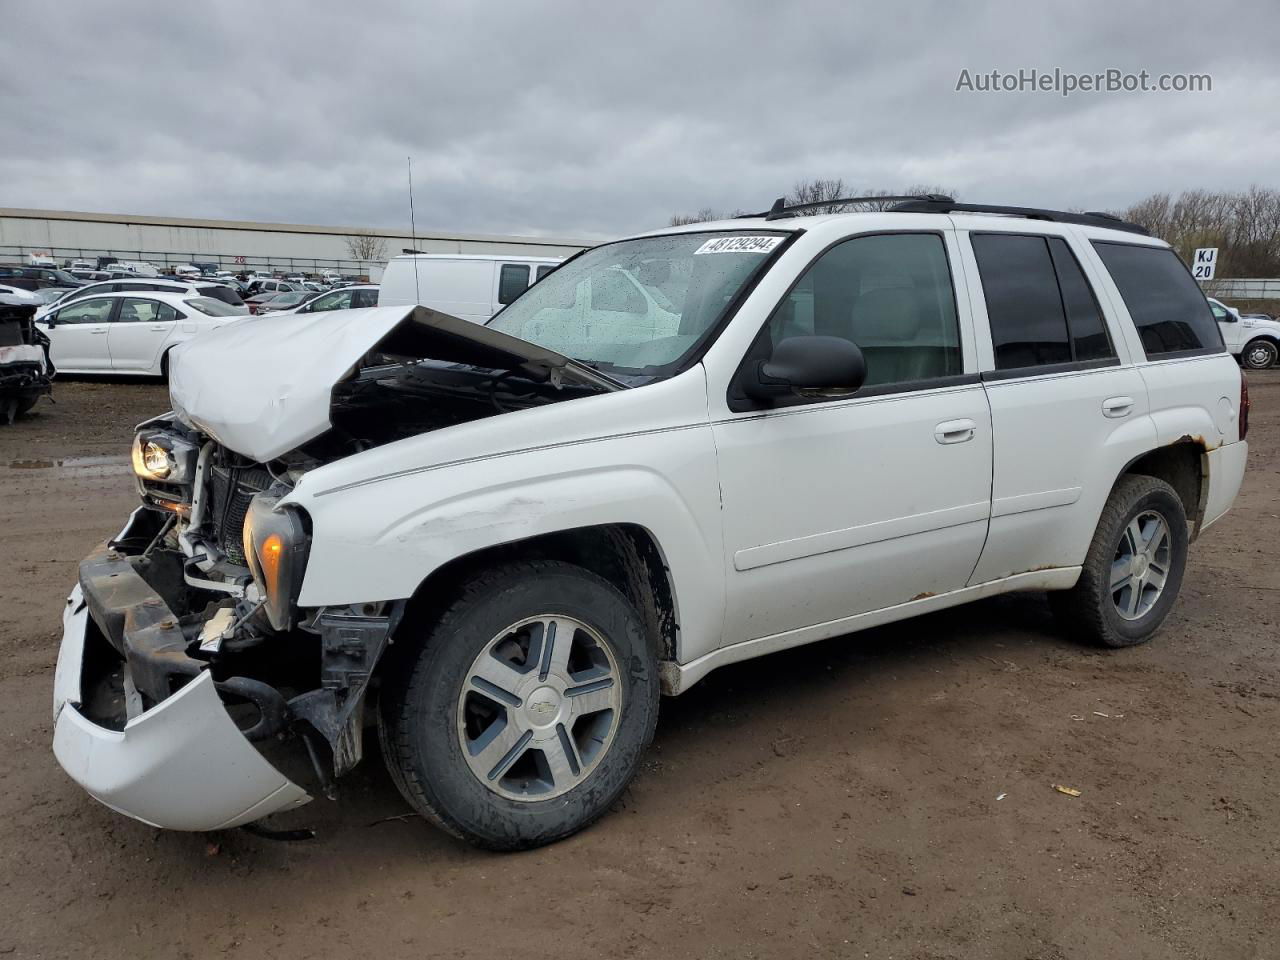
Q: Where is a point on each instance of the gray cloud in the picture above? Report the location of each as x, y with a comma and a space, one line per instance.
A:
582, 119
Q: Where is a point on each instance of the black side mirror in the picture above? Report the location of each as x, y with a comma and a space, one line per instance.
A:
808, 363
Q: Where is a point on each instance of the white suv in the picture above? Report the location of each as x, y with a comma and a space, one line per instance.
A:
503, 541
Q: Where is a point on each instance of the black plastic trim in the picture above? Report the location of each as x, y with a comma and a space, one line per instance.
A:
1048, 369
1092, 218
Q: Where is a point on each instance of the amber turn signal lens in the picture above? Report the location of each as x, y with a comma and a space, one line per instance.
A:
269, 555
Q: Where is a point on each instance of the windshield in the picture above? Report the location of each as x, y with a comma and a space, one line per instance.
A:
214, 308
639, 306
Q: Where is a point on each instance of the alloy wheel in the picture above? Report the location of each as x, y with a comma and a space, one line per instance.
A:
1141, 565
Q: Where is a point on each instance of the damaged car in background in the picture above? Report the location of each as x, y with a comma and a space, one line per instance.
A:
498, 544
26, 372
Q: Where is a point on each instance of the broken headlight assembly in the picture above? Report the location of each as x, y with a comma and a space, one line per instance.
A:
276, 542
161, 456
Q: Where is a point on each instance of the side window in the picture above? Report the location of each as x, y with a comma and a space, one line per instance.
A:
136, 311
544, 270
612, 292
90, 311
1166, 304
1089, 339
1219, 314
166, 313
512, 281
365, 298
889, 294
1024, 307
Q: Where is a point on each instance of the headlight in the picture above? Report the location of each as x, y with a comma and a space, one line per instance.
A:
158, 455
276, 543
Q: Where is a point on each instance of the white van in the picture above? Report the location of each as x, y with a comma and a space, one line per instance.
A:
471, 286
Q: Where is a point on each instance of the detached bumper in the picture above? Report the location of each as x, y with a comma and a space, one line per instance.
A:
181, 765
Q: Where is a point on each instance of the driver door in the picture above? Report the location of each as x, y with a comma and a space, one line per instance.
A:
836, 506
78, 335
1232, 335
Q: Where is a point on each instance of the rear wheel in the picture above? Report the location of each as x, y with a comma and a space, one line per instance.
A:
1259, 354
1133, 571
528, 708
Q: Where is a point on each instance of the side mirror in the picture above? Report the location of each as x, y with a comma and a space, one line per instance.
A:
808, 363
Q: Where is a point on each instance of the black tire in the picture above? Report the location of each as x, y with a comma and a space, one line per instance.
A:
1259, 354
1088, 609
164, 365
419, 714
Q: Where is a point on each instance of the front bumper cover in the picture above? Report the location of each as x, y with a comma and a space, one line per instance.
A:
183, 764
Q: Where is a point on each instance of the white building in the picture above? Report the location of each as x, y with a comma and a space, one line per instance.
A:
237, 245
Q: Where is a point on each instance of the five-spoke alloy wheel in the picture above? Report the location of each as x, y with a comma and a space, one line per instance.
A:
524, 711
1131, 575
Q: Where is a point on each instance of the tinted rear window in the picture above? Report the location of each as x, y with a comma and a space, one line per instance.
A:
219, 292
1028, 324
213, 308
1167, 305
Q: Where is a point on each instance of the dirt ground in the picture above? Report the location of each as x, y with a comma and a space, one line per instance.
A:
885, 795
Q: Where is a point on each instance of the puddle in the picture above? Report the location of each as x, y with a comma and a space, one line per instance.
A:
74, 466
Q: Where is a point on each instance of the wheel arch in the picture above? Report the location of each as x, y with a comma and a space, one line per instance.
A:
627, 555
1184, 465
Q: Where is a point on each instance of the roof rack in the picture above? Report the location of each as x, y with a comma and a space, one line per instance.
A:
1091, 218
780, 210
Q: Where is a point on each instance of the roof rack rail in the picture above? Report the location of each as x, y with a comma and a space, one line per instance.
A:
1091, 218
780, 210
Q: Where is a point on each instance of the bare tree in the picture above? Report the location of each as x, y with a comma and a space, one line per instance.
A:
366, 245
1244, 226
702, 216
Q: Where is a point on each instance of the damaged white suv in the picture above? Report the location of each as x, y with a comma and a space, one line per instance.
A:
500, 543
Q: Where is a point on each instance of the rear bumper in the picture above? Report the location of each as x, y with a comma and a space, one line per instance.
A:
181, 765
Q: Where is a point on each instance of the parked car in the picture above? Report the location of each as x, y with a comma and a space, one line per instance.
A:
285, 300
47, 276
26, 372
85, 265
130, 332
473, 287
1254, 339
257, 300
128, 282
807, 427
271, 285
20, 293
347, 298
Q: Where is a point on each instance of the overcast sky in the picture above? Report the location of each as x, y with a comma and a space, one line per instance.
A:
597, 119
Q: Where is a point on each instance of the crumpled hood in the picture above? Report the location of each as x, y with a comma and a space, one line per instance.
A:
262, 386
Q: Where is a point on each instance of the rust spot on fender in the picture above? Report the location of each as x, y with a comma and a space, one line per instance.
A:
922, 596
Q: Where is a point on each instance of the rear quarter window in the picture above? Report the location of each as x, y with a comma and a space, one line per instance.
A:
1166, 304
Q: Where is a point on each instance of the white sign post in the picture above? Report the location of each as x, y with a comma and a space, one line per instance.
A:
1206, 260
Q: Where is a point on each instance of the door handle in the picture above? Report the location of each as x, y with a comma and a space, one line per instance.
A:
954, 431
1117, 407
159, 327
98, 333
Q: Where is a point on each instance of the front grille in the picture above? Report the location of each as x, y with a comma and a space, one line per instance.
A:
231, 489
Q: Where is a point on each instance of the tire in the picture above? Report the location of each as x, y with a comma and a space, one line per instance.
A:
164, 365
1133, 611
1259, 354
551, 770
26, 405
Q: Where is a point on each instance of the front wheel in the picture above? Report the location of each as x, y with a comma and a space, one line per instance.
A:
1133, 571
528, 708
1259, 354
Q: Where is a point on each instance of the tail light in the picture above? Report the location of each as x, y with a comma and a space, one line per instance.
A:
1244, 405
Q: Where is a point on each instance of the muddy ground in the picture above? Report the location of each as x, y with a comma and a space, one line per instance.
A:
882, 795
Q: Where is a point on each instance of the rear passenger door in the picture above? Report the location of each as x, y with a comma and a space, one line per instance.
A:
139, 334
1068, 406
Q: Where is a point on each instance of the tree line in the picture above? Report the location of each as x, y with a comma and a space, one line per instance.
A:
1244, 225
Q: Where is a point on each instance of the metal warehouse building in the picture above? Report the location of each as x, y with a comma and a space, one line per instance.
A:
235, 245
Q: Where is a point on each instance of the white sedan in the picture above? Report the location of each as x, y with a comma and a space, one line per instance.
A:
129, 332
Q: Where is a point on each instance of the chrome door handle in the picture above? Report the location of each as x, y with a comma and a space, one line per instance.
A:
954, 431
1117, 407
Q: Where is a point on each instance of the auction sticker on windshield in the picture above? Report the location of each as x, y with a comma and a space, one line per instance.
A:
739, 245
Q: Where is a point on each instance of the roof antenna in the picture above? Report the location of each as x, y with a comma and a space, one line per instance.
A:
413, 232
